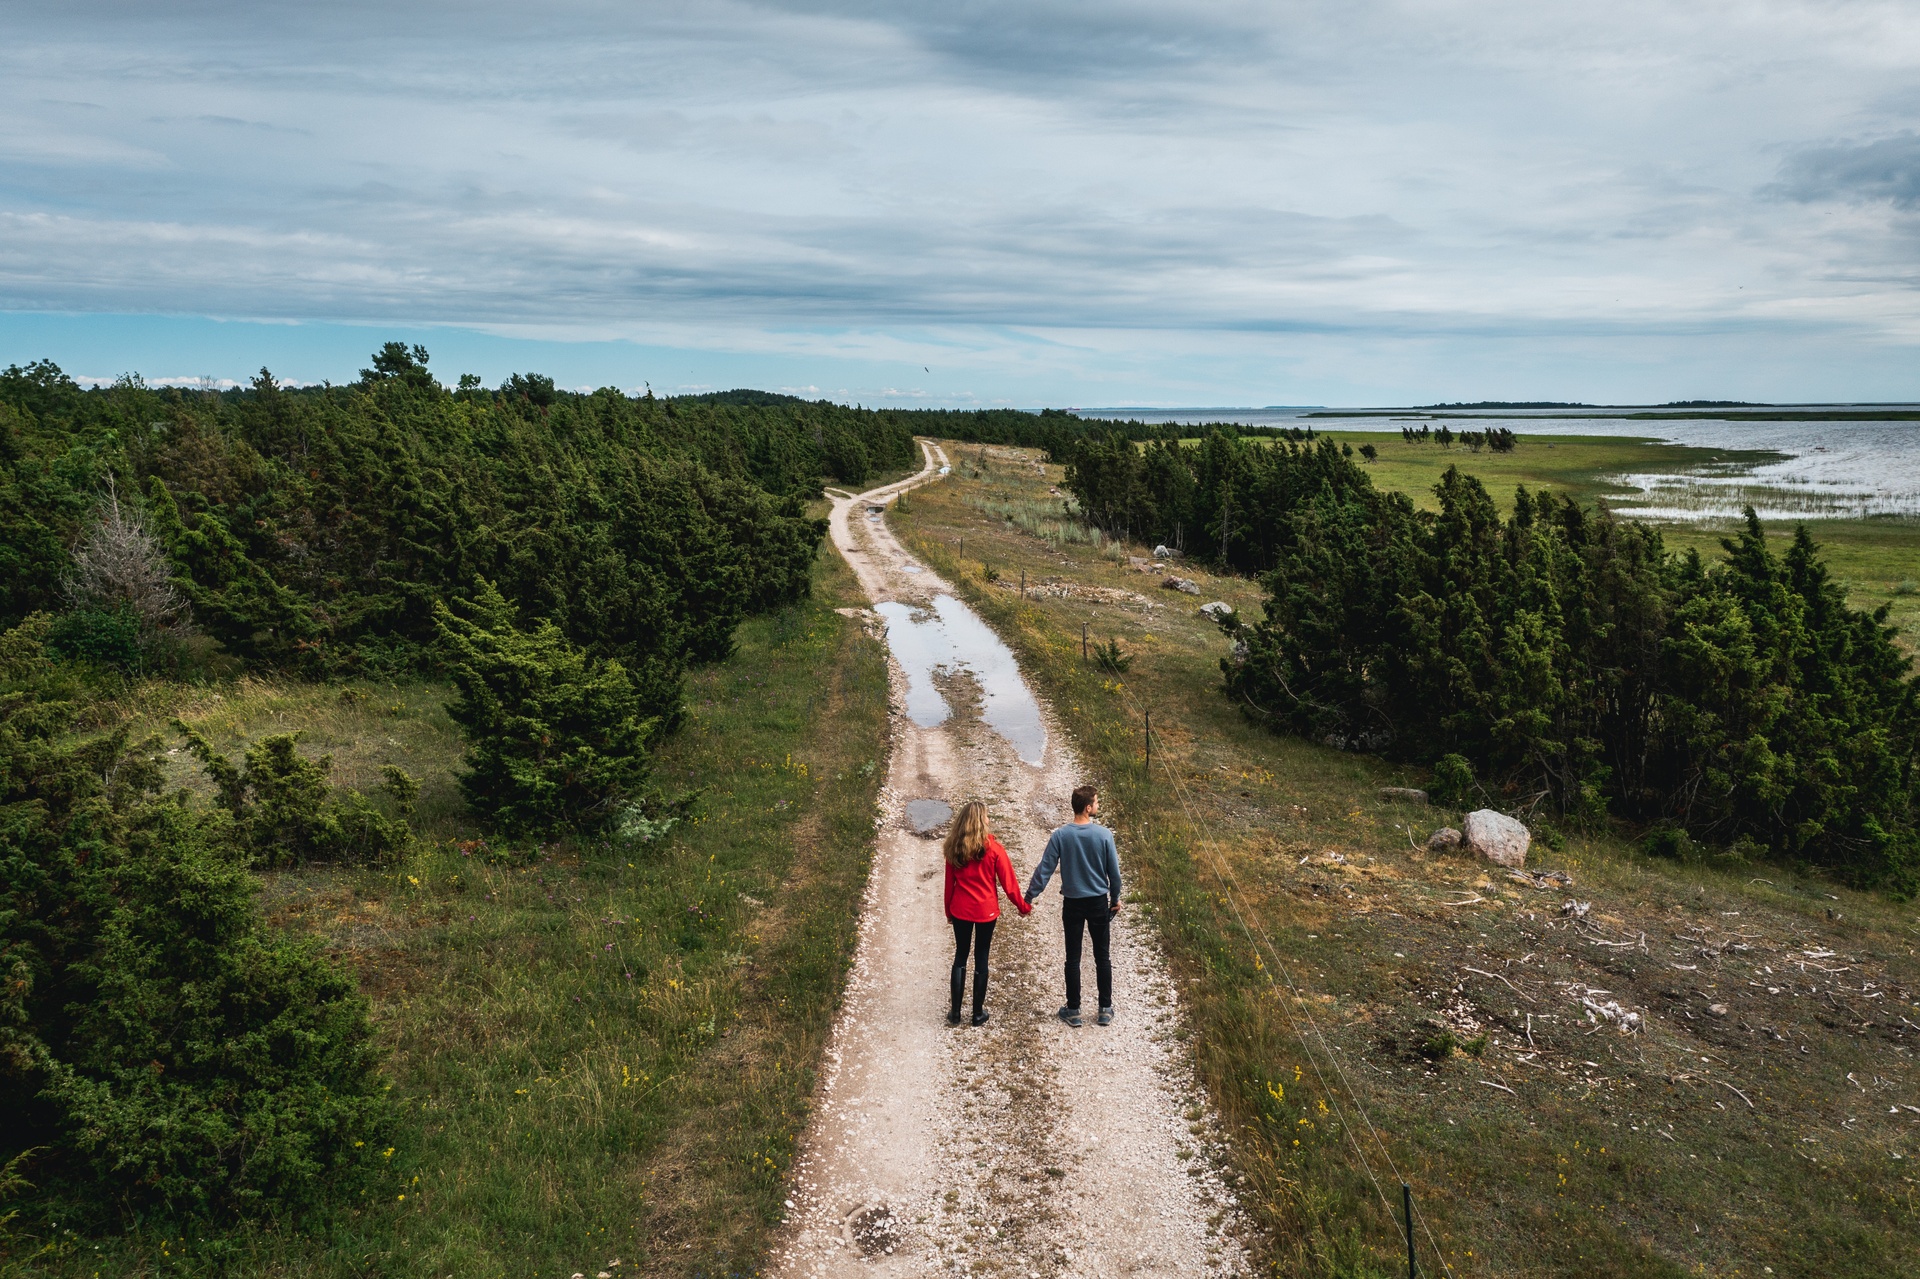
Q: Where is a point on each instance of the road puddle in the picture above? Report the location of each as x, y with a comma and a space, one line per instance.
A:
947, 640
927, 816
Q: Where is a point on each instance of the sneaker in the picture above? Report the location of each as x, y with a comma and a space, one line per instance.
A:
953, 1015
1071, 1016
980, 1016
1106, 1015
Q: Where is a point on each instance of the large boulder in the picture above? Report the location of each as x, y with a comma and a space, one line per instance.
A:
1497, 837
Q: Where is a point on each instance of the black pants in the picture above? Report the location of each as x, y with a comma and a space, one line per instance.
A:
979, 937
1093, 914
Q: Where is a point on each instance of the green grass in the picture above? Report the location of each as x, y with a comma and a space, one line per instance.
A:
1324, 952
1581, 466
597, 1053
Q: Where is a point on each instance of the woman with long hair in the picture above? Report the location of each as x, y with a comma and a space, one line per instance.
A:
977, 869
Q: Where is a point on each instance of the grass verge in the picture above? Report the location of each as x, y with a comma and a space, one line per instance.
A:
601, 1055
1362, 1007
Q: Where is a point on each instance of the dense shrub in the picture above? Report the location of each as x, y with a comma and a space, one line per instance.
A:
161, 1051
109, 637
556, 740
285, 812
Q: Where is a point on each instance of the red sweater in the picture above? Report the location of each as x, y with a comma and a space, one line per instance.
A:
973, 894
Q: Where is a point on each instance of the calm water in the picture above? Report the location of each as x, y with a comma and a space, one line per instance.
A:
1818, 470
951, 638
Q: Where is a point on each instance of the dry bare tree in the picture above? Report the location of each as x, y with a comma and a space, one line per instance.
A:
117, 564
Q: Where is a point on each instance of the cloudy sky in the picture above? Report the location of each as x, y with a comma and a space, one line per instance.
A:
1100, 203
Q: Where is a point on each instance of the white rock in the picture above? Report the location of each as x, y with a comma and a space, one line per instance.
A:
1498, 838
1217, 610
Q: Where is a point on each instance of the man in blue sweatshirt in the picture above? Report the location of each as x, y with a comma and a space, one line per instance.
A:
1090, 887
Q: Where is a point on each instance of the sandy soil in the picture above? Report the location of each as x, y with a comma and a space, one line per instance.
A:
1022, 1147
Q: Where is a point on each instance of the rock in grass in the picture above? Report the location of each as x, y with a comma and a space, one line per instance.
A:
1217, 611
1444, 838
1181, 584
1497, 837
1404, 794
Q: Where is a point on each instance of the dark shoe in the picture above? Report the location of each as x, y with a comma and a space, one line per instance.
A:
953, 1015
1106, 1015
1071, 1016
980, 1016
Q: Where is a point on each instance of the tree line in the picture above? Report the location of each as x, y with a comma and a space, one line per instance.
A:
1557, 659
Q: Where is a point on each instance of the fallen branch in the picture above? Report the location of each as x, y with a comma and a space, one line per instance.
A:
1470, 901
1488, 1083
1736, 1092
1510, 986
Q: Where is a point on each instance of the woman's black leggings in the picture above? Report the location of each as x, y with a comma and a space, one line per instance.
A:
979, 937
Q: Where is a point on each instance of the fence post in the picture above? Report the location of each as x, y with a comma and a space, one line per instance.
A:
1149, 736
1023, 583
1406, 1206
1083, 641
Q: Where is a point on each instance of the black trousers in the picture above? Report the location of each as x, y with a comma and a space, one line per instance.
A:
978, 937
1094, 915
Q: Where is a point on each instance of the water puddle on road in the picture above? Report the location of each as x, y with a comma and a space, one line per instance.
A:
927, 816
951, 638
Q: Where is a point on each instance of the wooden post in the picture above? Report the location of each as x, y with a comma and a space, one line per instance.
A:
1023, 583
1083, 641
1149, 736
1406, 1205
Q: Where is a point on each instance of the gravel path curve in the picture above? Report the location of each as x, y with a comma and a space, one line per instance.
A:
1022, 1148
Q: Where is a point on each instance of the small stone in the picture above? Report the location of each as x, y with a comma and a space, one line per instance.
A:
1498, 838
1444, 838
1404, 794
1717, 1010
1184, 585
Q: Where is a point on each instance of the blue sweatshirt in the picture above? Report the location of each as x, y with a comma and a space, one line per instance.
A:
1089, 863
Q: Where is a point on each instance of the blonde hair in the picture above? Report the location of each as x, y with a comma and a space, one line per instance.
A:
967, 837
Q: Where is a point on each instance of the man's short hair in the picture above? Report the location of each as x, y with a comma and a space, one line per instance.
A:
1082, 798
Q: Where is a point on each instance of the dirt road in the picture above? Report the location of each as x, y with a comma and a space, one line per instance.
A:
1022, 1147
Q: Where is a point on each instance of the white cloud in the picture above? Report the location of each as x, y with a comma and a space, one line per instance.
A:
1511, 182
